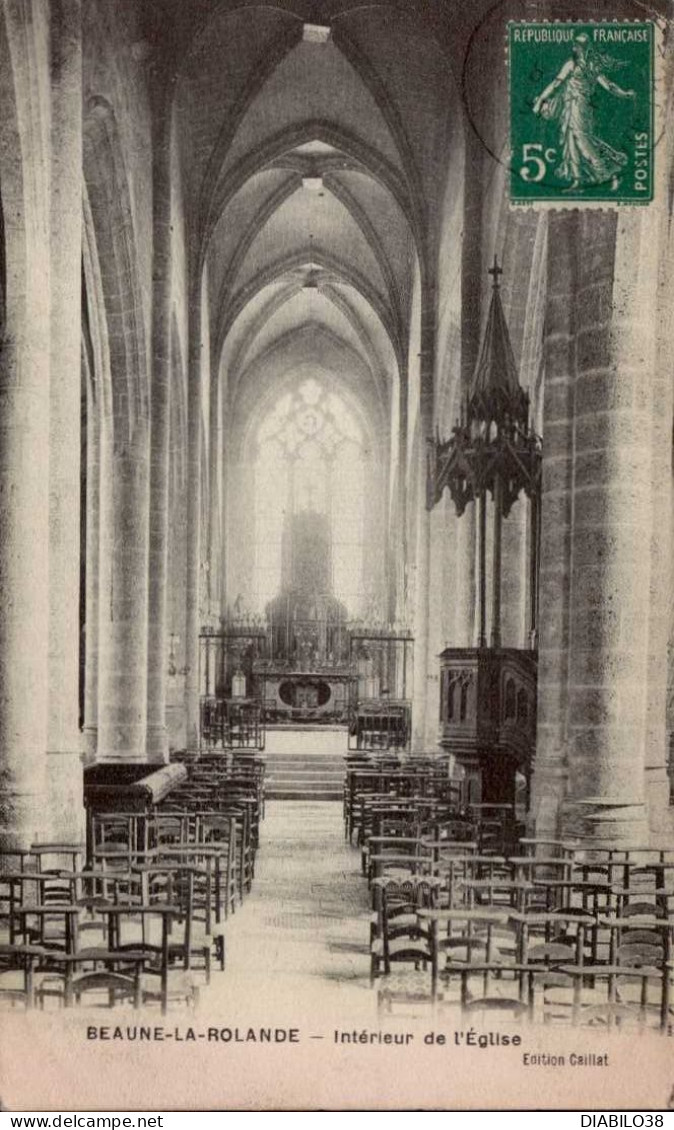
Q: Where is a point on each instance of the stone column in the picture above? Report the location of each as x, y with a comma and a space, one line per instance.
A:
235, 567
224, 463
464, 529
374, 524
656, 782
64, 767
463, 590
24, 442
421, 616
214, 495
193, 555
550, 769
437, 598
611, 540
514, 575
122, 700
425, 705
160, 414
91, 615
175, 692
400, 523
660, 243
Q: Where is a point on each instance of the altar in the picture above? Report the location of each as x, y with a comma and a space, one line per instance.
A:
319, 696
305, 663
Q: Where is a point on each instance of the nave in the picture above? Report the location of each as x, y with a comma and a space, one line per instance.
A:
304, 931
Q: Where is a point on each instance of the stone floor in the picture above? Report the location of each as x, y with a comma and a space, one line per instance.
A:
301, 938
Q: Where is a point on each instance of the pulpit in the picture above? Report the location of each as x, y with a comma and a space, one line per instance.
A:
488, 717
488, 693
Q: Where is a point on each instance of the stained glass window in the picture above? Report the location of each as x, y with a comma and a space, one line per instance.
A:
310, 453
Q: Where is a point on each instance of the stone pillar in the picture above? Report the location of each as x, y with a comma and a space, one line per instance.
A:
214, 494
658, 242
193, 555
425, 704
472, 275
656, 782
400, 522
235, 565
175, 691
550, 770
160, 414
374, 524
463, 588
91, 615
421, 617
514, 576
611, 539
24, 443
64, 766
464, 529
122, 700
224, 463
436, 624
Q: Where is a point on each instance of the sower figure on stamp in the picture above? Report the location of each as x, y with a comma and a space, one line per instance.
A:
586, 158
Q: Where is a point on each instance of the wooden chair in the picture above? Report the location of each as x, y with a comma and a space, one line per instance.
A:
637, 979
176, 884
230, 827
161, 980
397, 936
18, 966
55, 854
61, 966
110, 977
550, 944
498, 891
461, 936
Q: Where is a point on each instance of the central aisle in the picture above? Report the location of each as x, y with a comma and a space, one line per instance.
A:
301, 938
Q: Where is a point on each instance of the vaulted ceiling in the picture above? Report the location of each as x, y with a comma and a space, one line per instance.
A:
314, 141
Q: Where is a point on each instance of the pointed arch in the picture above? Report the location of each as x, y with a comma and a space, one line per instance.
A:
366, 158
334, 267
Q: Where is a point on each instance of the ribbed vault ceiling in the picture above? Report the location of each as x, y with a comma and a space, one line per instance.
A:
311, 162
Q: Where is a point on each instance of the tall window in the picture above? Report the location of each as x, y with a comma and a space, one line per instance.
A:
310, 457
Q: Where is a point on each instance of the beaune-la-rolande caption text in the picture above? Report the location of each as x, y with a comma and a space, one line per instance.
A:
471, 1038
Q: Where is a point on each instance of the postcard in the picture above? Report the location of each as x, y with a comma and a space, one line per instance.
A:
336, 531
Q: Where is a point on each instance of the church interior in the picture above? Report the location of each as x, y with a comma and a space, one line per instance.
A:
336, 519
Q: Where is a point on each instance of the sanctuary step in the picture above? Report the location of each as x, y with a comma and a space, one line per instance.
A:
304, 776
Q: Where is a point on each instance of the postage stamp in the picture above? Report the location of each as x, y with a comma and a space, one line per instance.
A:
581, 112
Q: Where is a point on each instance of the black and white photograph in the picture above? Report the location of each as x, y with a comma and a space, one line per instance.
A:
336, 555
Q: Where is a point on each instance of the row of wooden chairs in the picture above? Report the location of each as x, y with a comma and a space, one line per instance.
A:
119, 840
502, 931
138, 914
558, 966
394, 777
130, 935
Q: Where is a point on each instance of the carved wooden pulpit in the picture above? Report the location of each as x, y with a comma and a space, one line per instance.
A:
488, 693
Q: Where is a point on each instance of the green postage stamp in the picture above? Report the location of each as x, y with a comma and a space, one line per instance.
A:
581, 112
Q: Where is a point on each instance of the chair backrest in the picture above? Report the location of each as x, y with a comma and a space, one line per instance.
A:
399, 899
550, 953
411, 892
640, 907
